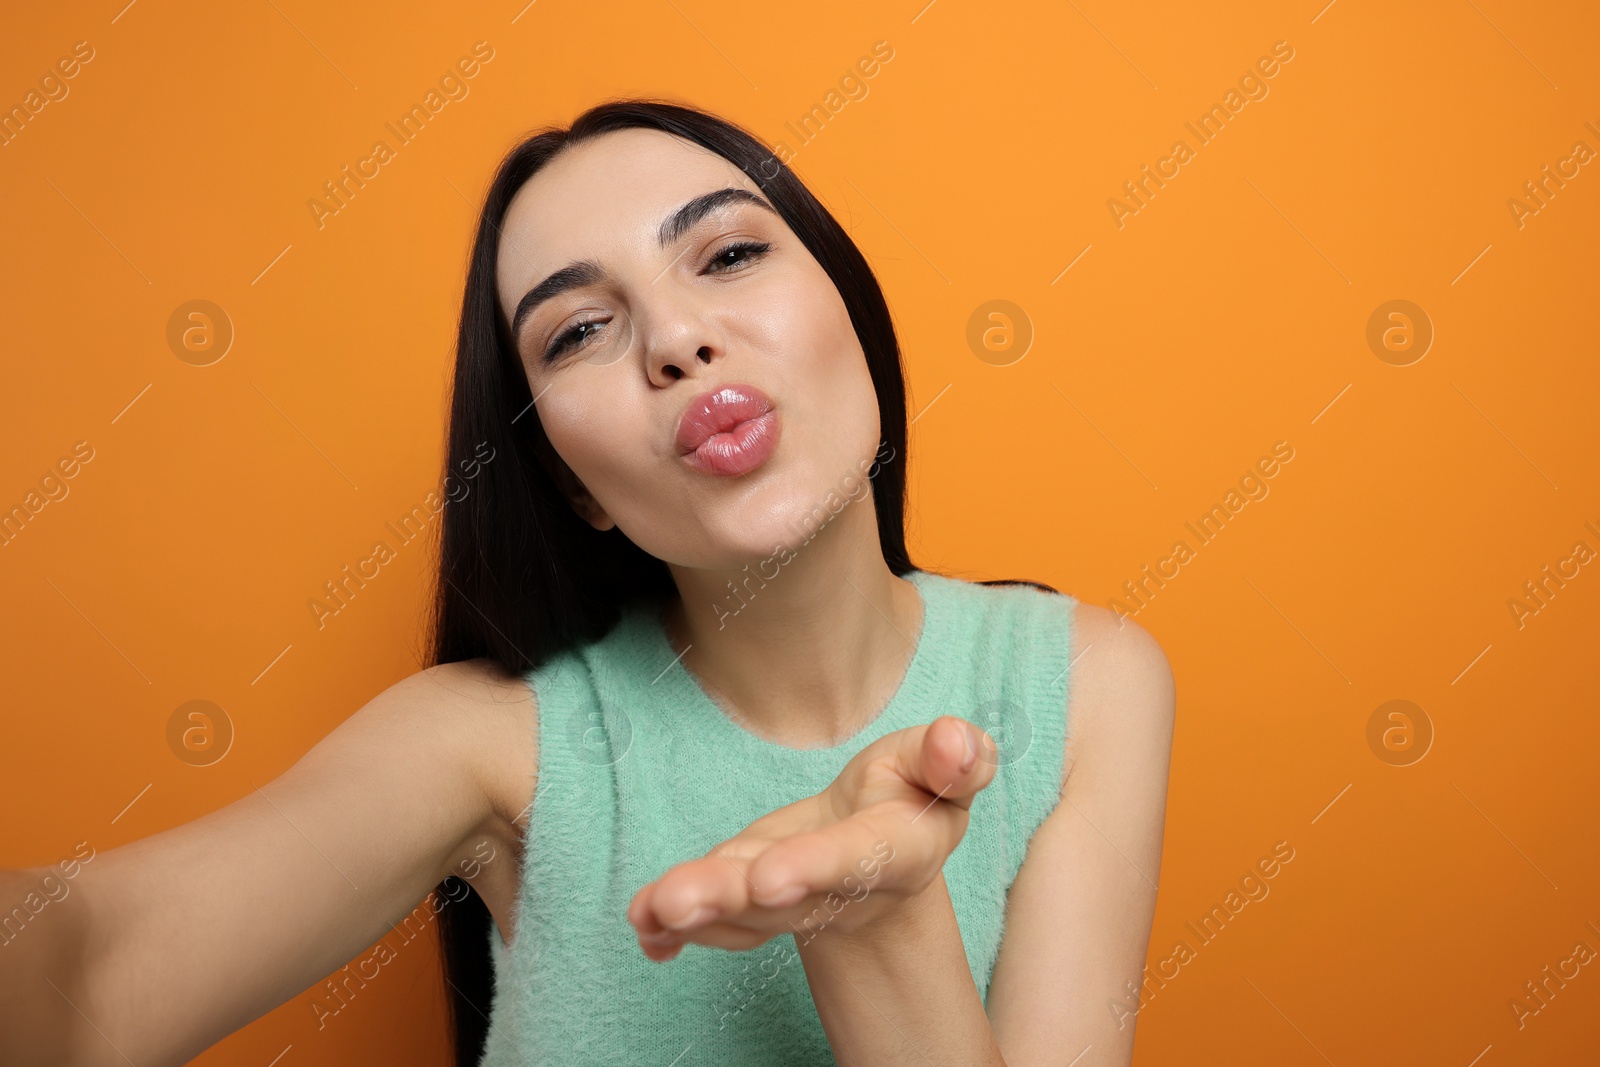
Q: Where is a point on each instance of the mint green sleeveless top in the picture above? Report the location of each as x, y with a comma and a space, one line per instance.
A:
639, 770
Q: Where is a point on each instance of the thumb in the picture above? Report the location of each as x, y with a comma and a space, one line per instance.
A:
952, 759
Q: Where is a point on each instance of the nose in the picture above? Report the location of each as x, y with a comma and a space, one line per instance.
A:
678, 341
665, 368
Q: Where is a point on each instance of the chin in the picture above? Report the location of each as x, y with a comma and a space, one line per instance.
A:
804, 515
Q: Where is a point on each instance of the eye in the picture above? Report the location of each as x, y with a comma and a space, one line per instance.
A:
571, 338
729, 259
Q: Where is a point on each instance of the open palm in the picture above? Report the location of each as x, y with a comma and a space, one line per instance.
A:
845, 857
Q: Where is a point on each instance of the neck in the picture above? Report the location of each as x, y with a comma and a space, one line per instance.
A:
805, 652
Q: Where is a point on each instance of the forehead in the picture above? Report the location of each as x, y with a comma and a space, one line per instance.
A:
601, 199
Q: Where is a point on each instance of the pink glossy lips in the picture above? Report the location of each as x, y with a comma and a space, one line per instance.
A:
730, 430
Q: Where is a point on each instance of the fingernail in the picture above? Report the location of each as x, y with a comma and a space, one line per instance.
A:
970, 736
697, 916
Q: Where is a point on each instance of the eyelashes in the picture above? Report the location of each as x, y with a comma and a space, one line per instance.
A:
747, 251
569, 339
751, 249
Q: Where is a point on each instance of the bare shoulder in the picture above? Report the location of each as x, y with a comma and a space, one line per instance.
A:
492, 713
1080, 913
1121, 692
490, 718
478, 688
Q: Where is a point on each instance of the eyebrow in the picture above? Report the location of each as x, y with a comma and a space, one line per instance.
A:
584, 272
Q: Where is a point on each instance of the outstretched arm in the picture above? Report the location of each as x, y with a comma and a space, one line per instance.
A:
172, 942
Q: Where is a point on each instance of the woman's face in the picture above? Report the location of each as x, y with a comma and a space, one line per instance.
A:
670, 322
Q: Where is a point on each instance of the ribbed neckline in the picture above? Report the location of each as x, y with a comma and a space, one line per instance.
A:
916, 686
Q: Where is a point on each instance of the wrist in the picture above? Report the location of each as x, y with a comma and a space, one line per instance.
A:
904, 923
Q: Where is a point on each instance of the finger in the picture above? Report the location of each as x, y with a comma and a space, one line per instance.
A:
644, 911
641, 914
698, 891
660, 952
951, 759
843, 858
724, 935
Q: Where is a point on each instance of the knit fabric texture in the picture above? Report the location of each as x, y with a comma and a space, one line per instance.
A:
640, 770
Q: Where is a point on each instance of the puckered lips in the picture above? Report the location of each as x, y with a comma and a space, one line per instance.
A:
729, 430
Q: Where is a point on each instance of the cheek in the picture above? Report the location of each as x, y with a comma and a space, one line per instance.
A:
596, 433
822, 367
840, 384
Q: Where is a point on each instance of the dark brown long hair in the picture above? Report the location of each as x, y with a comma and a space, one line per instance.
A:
521, 576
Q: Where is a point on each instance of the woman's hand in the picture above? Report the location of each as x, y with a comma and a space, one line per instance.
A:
876, 837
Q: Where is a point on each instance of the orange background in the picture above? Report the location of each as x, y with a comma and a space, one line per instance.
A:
1228, 314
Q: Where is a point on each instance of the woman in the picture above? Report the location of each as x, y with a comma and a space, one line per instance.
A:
700, 737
